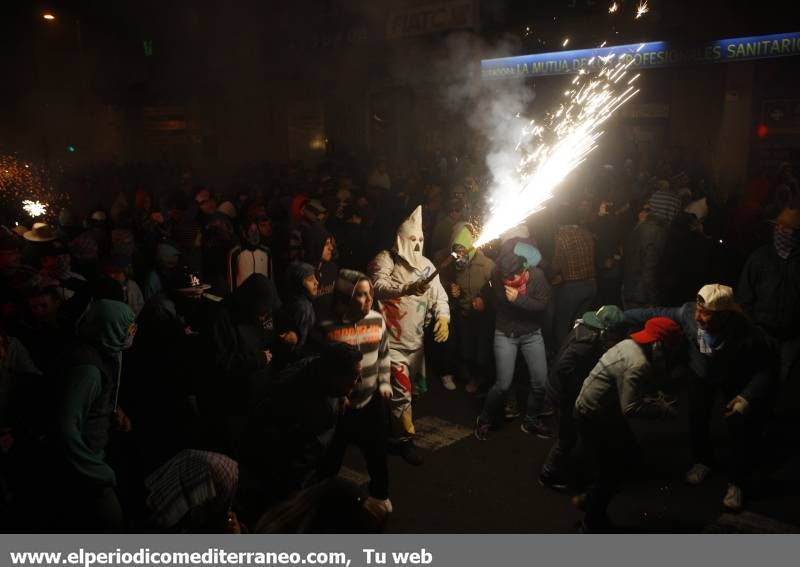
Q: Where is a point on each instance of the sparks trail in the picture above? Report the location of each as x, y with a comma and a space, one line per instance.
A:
27, 188
551, 150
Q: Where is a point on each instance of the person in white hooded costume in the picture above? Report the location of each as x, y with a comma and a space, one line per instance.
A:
399, 277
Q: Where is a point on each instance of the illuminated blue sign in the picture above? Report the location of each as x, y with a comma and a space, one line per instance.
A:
649, 55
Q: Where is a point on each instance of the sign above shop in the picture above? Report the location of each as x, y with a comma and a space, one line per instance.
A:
432, 18
651, 55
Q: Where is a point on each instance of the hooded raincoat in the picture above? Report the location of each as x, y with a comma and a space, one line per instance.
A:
87, 406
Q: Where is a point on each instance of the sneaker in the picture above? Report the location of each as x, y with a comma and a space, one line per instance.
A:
549, 480
448, 382
698, 473
537, 428
387, 505
734, 498
547, 409
481, 430
408, 451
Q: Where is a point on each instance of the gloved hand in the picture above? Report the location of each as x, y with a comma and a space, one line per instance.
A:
385, 391
415, 288
737, 405
441, 330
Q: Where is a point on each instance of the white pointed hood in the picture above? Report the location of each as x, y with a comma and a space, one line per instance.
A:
409, 241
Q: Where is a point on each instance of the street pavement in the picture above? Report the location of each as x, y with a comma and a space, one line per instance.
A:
469, 486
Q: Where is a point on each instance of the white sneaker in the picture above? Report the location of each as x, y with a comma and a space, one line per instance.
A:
448, 382
733, 498
698, 473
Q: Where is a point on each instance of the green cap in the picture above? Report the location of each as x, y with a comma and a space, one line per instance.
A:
605, 317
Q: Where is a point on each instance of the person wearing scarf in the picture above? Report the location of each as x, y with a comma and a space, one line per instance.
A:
769, 290
522, 294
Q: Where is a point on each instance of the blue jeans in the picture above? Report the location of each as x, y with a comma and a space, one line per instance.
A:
531, 346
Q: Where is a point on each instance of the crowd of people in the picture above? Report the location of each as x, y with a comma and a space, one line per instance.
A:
186, 360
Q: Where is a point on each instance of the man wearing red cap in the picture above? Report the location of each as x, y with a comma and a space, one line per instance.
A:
617, 389
728, 355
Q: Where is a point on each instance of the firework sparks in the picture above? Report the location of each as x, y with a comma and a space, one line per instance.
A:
613, 8
21, 182
34, 208
551, 150
642, 9
566, 41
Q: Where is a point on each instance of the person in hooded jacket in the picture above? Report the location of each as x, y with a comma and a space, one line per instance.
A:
240, 343
167, 257
471, 302
408, 286
319, 247
297, 318
769, 291
86, 412
521, 295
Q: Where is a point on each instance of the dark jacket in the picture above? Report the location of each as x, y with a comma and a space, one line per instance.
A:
298, 313
741, 366
577, 356
642, 256
769, 290
236, 343
290, 428
526, 314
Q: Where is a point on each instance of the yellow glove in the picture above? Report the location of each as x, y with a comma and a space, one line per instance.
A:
441, 330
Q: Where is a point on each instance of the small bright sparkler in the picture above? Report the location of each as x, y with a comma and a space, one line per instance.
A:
642, 9
566, 41
550, 150
613, 8
34, 208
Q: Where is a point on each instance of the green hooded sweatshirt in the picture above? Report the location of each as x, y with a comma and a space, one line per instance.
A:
477, 274
86, 410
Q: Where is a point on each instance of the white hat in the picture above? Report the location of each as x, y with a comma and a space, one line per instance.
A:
40, 234
717, 297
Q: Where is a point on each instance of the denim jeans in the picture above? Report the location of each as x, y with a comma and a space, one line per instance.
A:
531, 346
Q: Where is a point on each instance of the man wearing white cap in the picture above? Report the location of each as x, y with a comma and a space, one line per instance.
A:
727, 354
